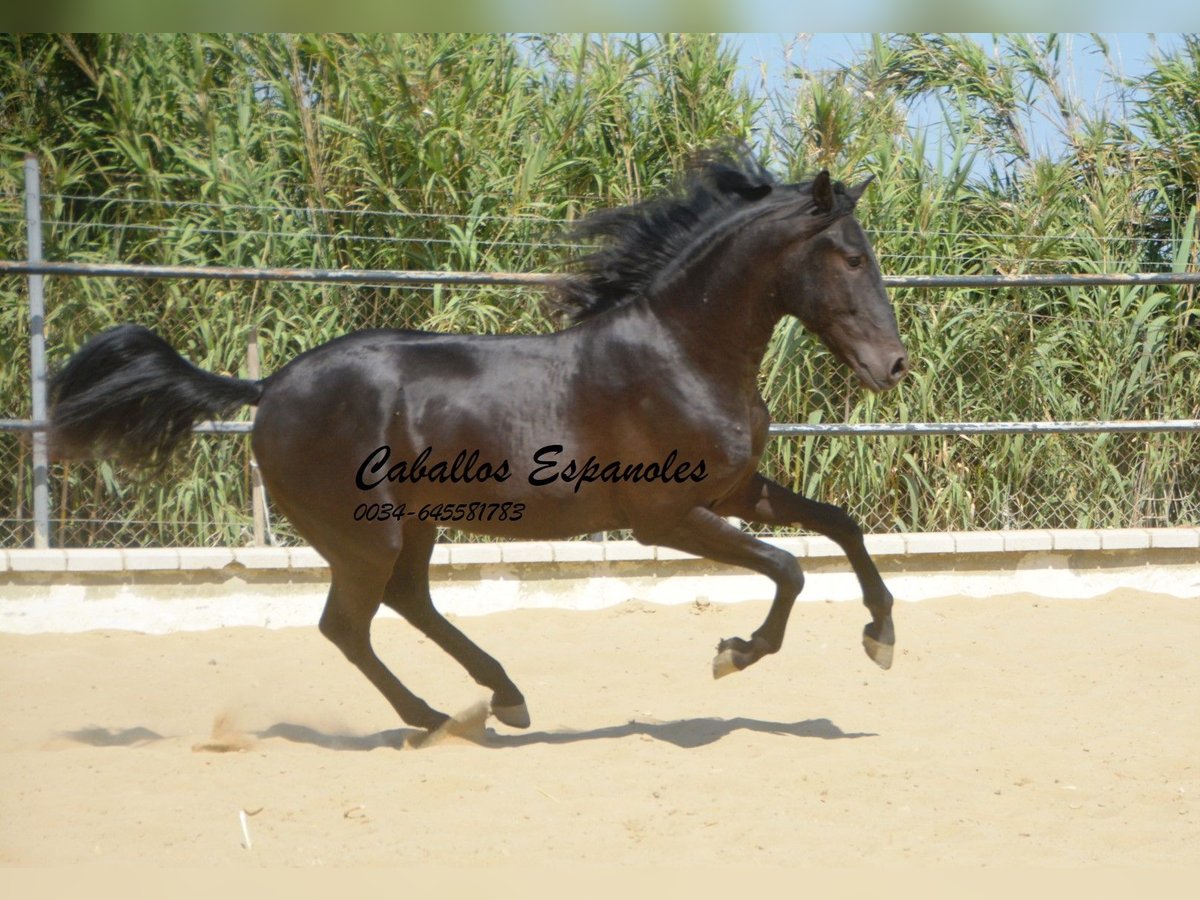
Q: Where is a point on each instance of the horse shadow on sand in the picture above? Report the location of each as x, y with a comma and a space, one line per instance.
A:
97, 736
686, 734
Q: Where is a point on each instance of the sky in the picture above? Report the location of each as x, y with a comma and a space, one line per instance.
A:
764, 57
830, 50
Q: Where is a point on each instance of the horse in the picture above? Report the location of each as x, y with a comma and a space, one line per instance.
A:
642, 413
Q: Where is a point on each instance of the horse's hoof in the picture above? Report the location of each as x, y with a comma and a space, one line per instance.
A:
879, 640
512, 716
723, 664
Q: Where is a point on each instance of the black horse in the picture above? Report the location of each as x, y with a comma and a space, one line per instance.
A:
645, 414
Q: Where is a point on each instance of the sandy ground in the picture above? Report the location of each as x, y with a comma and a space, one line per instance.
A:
1010, 731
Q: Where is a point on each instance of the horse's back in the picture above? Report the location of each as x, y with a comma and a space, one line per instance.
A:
331, 409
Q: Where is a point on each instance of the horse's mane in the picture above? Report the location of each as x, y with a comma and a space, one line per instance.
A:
636, 242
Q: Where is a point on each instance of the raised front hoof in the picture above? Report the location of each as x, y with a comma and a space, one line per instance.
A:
879, 640
513, 716
724, 663
734, 654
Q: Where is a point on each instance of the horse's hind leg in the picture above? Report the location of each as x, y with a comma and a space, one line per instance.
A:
353, 601
407, 592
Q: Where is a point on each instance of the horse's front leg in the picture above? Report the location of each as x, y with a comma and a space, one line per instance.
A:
765, 502
706, 534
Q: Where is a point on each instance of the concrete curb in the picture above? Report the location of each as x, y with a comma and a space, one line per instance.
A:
164, 590
217, 559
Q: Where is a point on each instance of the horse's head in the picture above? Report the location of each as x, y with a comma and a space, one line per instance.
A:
736, 227
830, 281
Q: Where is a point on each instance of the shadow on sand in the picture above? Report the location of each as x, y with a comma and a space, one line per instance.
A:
685, 733
95, 736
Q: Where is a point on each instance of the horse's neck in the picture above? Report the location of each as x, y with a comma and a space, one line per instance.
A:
722, 317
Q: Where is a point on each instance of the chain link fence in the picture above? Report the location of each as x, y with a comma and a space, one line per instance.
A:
1071, 481
889, 482
996, 354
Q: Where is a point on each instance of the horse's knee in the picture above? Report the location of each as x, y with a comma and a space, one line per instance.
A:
839, 524
847, 533
788, 577
795, 578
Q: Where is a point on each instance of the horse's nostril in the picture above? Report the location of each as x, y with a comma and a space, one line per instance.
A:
899, 367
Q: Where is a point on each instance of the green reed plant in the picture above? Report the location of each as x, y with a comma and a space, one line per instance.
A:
476, 152
1091, 205
412, 151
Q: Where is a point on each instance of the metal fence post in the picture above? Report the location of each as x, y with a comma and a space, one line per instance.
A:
37, 356
258, 500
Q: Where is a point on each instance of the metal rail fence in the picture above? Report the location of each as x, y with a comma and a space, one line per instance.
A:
1168, 492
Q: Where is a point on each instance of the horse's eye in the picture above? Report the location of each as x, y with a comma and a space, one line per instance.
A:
854, 261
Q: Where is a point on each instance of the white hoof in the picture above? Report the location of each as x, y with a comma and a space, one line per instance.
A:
880, 653
723, 664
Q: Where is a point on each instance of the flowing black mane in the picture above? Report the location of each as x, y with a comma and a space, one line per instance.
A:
636, 242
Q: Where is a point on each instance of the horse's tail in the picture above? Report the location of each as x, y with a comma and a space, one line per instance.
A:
126, 393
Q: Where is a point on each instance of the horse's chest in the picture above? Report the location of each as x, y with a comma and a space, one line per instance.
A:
737, 445
723, 429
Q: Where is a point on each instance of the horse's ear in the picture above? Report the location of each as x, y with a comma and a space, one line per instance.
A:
822, 191
855, 192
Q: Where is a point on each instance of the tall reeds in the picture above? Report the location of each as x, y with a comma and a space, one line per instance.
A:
474, 151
